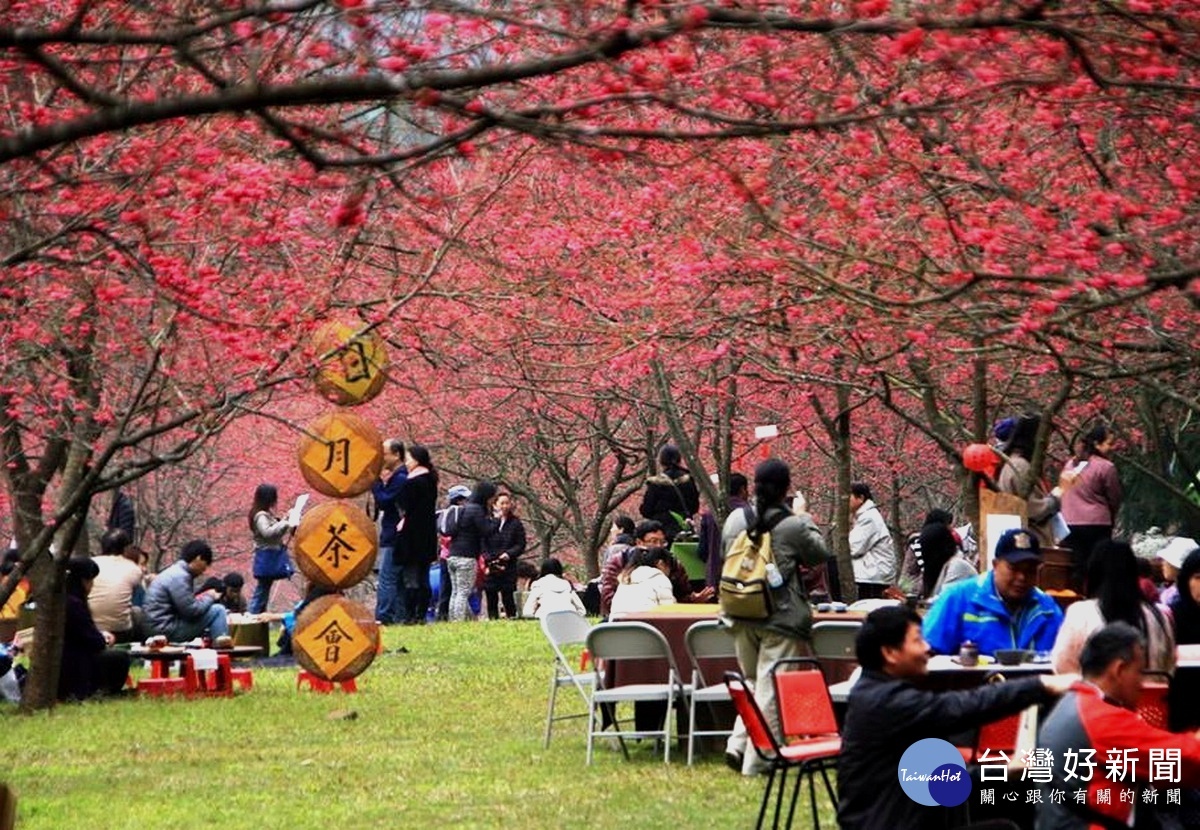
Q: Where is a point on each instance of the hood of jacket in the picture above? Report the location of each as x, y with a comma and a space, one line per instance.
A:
554, 584
668, 480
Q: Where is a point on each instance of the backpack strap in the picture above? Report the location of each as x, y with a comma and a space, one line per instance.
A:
751, 520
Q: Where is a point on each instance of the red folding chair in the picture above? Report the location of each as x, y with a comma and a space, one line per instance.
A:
780, 758
1153, 706
809, 725
996, 736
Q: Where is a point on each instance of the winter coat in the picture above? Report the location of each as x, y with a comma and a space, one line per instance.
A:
551, 593
1095, 497
672, 491
82, 641
472, 531
871, 547
647, 587
417, 537
386, 495
1041, 505
973, 610
171, 597
509, 538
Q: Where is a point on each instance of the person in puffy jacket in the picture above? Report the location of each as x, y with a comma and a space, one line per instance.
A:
551, 592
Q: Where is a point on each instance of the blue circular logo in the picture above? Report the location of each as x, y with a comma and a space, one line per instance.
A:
932, 773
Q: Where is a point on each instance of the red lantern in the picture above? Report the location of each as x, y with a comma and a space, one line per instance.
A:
980, 458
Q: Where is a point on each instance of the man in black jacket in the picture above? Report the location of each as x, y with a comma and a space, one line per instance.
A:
887, 714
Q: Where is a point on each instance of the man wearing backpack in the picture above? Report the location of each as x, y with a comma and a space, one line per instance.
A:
786, 630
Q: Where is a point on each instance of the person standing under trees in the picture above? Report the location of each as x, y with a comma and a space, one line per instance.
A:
871, 547
468, 540
270, 533
390, 605
1014, 477
507, 546
709, 549
447, 520
795, 542
1091, 504
417, 536
671, 497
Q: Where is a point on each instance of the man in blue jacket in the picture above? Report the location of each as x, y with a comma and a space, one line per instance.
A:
999, 609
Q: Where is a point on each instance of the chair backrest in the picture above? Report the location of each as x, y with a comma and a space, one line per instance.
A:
1153, 706
805, 708
835, 639
708, 640
564, 629
999, 735
757, 729
629, 641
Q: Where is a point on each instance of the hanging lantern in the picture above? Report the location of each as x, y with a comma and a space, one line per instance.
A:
980, 458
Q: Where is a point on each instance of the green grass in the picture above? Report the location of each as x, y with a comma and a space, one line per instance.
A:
448, 735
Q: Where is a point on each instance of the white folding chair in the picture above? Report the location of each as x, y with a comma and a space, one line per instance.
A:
833, 645
565, 629
630, 642
834, 639
707, 640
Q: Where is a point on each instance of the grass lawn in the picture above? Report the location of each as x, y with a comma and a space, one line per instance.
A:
447, 735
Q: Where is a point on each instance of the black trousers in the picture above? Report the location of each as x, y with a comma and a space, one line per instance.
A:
497, 593
1082, 541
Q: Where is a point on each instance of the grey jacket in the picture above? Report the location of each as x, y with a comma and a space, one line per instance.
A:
795, 541
871, 547
269, 532
171, 597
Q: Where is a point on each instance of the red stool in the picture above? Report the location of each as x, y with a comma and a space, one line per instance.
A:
161, 686
216, 682
320, 684
243, 678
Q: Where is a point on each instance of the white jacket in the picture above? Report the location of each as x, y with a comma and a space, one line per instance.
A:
647, 587
871, 547
551, 593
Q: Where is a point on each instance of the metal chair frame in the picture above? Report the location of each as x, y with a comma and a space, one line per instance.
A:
630, 641
563, 629
706, 640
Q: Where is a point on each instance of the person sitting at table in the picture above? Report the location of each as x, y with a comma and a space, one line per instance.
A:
1114, 594
231, 593
1000, 609
551, 592
644, 584
648, 534
119, 580
89, 667
886, 714
1098, 717
172, 607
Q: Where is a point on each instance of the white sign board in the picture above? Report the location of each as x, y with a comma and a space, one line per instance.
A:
768, 431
